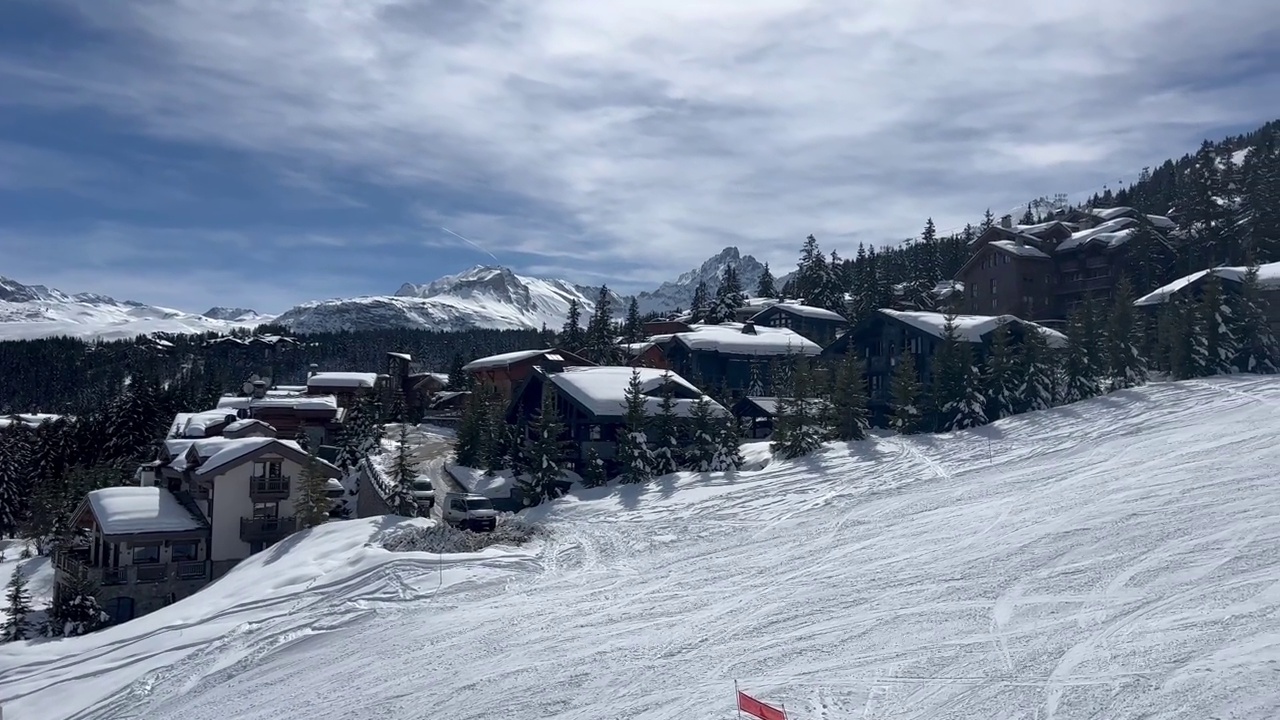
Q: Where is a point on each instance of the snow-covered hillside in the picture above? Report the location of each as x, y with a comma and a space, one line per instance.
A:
1117, 558
679, 294
482, 297
35, 311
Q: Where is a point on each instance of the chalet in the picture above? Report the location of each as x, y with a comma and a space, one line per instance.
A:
591, 402
446, 407
507, 371
1009, 273
209, 504
881, 338
665, 327
757, 415
648, 354
1192, 286
348, 387
736, 357
817, 324
318, 415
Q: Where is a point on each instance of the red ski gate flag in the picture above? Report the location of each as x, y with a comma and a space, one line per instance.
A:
752, 706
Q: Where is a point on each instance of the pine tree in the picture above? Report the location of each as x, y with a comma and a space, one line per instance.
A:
545, 452
634, 456
700, 307
765, 287
75, 611
312, 504
404, 470
1186, 334
971, 412
135, 424
1077, 382
704, 432
459, 379
301, 437
600, 344
18, 606
593, 471
948, 377
571, 335
1000, 375
727, 454
1126, 367
1221, 345
729, 296
666, 432
849, 400
633, 326
797, 415
494, 456
1259, 351
907, 413
468, 446
988, 221
15, 485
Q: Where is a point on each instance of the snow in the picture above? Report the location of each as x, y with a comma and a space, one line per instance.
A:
1268, 278
343, 379
30, 420
602, 390
239, 425
129, 510
1023, 250
1111, 233
1113, 559
496, 486
806, 311
232, 450
37, 570
969, 328
728, 338
196, 425
297, 402
503, 360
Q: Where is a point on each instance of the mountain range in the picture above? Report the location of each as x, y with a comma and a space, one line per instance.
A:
482, 297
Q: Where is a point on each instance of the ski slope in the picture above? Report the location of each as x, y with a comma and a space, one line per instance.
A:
1118, 558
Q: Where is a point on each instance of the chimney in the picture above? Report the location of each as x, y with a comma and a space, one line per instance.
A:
1006, 222
311, 371
259, 389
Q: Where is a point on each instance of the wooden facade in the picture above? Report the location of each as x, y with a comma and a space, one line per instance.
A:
821, 327
1010, 274
508, 376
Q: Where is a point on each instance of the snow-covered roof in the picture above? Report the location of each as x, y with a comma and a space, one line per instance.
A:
506, 359
30, 420
1034, 230
729, 338
804, 311
1023, 250
969, 328
602, 390
132, 510
403, 356
236, 449
343, 379
637, 348
196, 425
297, 402
1268, 278
770, 404
239, 425
1111, 233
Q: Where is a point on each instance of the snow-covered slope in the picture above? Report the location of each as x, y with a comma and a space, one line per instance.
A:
679, 294
482, 297
35, 311
1118, 558
244, 315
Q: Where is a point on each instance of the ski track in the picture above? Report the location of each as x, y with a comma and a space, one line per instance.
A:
1117, 558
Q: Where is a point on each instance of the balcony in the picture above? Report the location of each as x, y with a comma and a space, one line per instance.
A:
267, 489
266, 529
76, 566
151, 572
1093, 284
193, 570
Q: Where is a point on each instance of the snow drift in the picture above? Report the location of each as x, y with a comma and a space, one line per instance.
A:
1116, 558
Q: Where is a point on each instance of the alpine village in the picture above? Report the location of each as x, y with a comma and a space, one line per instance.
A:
143, 470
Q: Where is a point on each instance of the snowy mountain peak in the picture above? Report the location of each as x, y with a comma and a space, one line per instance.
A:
232, 313
679, 294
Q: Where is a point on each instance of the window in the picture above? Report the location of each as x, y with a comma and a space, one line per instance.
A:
143, 554
594, 433
184, 551
993, 286
266, 510
267, 469
457, 505
1029, 303
995, 305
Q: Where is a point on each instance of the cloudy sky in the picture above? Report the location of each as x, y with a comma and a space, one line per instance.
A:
262, 152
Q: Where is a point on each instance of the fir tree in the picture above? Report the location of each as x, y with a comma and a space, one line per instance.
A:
312, 504
468, 446
1077, 382
634, 456
1258, 347
1000, 376
571, 335
727, 455
593, 471
404, 470
75, 610
1125, 366
765, 287
1221, 345
633, 326
988, 221
1186, 335
135, 424
704, 431
18, 606
301, 437
459, 379
600, 344
907, 413
545, 452
797, 415
700, 307
666, 432
729, 296
849, 400
949, 375
15, 486
495, 456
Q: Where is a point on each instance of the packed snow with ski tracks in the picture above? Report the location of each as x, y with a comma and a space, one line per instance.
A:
1118, 558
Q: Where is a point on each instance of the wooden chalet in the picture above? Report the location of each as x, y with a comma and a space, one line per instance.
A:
350, 388
881, 338
591, 402
735, 358
757, 415
817, 324
1010, 273
1232, 279
507, 371
646, 354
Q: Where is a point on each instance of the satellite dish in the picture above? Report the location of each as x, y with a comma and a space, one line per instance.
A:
247, 388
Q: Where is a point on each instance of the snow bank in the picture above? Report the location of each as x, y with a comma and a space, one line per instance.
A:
438, 537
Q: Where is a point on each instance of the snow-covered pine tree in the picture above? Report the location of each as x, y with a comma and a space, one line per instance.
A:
949, 371
312, 504
459, 379
727, 455
18, 607
633, 326
765, 288
404, 470
704, 428
971, 411
497, 432
1000, 375
1078, 379
1189, 350
1259, 351
593, 470
634, 456
905, 388
701, 304
600, 344
849, 400
15, 485
798, 412
301, 437
75, 610
571, 335
468, 446
666, 432
545, 452
134, 423
1126, 367
729, 296
1221, 344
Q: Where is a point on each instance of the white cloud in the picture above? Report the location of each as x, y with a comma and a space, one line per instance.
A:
654, 132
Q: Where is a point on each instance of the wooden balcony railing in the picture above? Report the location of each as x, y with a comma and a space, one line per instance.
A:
264, 489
